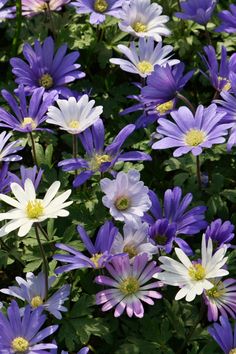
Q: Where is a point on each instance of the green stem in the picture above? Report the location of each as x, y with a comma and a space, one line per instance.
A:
198, 172
208, 37
186, 101
33, 148
45, 235
45, 262
49, 13
16, 39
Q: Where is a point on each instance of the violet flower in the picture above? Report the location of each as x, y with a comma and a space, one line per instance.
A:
228, 18
199, 11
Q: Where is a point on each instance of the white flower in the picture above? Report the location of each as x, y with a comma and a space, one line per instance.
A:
73, 116
192, 277
29, 210
134, 242
126, 197
142, 19
142, 60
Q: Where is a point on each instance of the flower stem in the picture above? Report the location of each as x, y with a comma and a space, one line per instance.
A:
198, 172
16, 38
33, 148
45, 261
49, 13
208, 37
186, 101
45, 235
75, 149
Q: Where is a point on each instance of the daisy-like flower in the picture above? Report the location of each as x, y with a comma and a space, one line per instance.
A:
44, 68
84, 350
193, 277
28, 209
98, 9
142, 60
126, 197
34, 7
7, 151
221, 299
199, 11
224, 336
74, 116
190, 133
220, 232
5, 179
7, 12
32, 173
129, 286
22, 334
143, 19
32, 290
228, 18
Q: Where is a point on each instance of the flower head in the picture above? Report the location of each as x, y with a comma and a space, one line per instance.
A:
220, 232
5, 179
31, 8
31, 173
7, 12
228, 18
7, 151
224, 336
199, 11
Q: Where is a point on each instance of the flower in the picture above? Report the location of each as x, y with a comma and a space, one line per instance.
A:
199, 11
46, 69
142, 19
84, 350
165, 82
5, 179
74, 116
128, 285
223, 335
220, 232
228, 18
33, 291
193, 277
100, 251
8, 12
142, 60
22, 334
7, 151
221, 299
191, 133
31, 8
126, 197
134, 242
32, 173
29, 210
26, 118
98, 158
98, 9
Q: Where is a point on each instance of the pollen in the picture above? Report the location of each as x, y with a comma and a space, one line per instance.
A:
145, 67
46, 81
97, 160
217, 291
197, 272
95, 259
139, 27
100, 5
165, 107
122, 203
36, 301
28, 121
194, 137
232, 351
20, 344
227, 85
129, 286
74, 124
131, 250
34, 209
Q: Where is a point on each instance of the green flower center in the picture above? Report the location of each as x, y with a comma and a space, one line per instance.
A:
194, 137
131, 250
232, 351
20, 344
197, 272
145, 67
139, 27
100, 5
217, 291
46, 81
160, 239
122, 203
74, 124
34, 209
95, 259
129, 286
165, 107
97, 160
27, 121
36, 301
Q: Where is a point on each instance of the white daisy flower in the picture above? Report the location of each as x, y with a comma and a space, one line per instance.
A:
29, 210
192, 277
142, 19
73, 116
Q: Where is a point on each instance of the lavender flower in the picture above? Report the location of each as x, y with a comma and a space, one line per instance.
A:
34, 7
97, 157
5, 179
220, 232
128, 287
199, 11
228, 18
7, 151
84, 350
31, 173
46, 69
223, 335
7, 12
22, 334
191, 133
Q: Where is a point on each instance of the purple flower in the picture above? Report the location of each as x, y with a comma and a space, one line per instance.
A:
100, 251
8, 12
228, 19
220, 232
223, 335
84, 350
163, 234
199, 11
22, 334
7, 151
34, 7
164, 82
128, 285
46, 69
221, 299
98, 158
5, 179
31, 173
98, 9
26, 117
190, 133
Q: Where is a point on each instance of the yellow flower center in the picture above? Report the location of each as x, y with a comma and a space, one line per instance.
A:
97, 160
100, 5
95, 259
217, 291
129, 286
36, 301
131, 250
42, 7
74, 124
194, 137
139, 27
20, 344
232, 351
197, 272
145, 67
34, 209
165, 107
46, 81
122, 203
227, 86
27, 121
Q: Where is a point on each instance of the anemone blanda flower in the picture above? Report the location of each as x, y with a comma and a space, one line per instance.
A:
142, 60
28, 209
98, 9
199, 11
84, 350
126, 197
23, 334
7, 151
32, 173
163, 234
224, 336
44, 68
5, 178
220, 232
6, 12
100, 251
32, 290
34, 7
190, 133
228, 18
143, 19
26, 117
74, 116
193, 277
128, 285
98, 157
